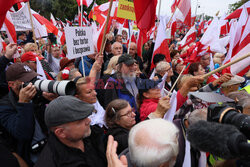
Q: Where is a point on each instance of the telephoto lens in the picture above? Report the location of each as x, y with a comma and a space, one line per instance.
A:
61, 88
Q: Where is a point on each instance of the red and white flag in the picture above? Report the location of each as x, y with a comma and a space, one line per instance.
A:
5, 6
174, 5
236, 33
53, 20
184, 12
161, 42
10, 28
189, 38
237, 12
84, 2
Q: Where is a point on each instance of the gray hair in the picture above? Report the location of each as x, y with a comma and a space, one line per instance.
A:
161, 66
160, 146
112, 46
197, 115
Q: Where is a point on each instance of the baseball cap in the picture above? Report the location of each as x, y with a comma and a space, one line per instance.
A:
64, 62
65, 109
126, 59
144, 85
21, 72
233, 81
30, 56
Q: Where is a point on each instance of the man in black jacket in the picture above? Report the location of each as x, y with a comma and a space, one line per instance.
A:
21, 115
72, 142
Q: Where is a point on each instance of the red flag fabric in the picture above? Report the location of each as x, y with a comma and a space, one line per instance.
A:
5, 6
50, 27
161, 42
145, 13
237, 13
174, 5
10, 28
184, 7
189, 38
84, 2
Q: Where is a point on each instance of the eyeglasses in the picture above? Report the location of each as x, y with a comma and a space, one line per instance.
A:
129, 113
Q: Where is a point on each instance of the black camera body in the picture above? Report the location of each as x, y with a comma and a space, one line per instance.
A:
229, 113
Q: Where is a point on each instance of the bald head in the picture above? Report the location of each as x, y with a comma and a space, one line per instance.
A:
133, 49
116, 48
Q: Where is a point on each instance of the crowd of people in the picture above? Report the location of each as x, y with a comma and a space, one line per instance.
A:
116, 116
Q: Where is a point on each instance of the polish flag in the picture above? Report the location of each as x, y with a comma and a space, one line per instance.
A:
237, 12
84, 2
184, 12
161, 43
236, 35
189, 38
174, 5
52, 19
201, 27
224, 25
5, 6
10, 28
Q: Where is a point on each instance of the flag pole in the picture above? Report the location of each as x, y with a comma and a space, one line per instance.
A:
226, 65
105, 28
176, 81
31, 21
83, 69
130, 36
159, 12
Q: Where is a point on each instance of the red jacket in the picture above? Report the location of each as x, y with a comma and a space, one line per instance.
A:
149, 105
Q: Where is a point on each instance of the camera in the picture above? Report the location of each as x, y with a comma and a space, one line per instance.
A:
61, 88
229, 113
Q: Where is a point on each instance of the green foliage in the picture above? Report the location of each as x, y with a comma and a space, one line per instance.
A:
63, 9
236, 5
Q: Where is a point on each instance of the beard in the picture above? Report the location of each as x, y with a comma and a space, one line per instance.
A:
130, 77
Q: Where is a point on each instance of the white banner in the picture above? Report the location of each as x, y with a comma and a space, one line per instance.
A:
21, 19
79, 41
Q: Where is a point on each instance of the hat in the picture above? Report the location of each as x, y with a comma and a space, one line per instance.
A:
144, 85
19, 42
29, 56
126, 59
234, 80
21, 72
64, 62
66, 109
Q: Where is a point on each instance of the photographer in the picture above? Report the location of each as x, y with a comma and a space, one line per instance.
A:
22, 114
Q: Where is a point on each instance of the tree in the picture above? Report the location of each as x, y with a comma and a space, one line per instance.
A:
236, 5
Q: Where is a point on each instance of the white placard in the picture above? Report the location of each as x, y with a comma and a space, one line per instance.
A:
79, 41
21, 19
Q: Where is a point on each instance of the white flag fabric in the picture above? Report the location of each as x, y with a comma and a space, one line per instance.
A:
39, 70
169, 116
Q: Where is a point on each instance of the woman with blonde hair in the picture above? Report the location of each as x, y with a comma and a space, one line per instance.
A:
111, 66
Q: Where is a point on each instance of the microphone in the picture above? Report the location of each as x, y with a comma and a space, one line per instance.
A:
222, 140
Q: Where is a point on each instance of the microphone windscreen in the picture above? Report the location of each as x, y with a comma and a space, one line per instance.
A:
212, 137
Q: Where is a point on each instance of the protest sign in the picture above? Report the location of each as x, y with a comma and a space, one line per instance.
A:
126, 9
21, 19
79, 41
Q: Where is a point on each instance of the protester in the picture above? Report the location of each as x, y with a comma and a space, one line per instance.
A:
120, 118
232, 85
72, 142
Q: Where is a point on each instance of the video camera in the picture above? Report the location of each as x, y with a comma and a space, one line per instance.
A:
229, 113
61, 88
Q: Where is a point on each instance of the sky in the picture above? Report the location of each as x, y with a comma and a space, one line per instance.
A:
209, 7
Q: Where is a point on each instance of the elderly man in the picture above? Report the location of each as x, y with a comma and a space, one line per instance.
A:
133, 53
116, 50
232, 85
161, 69
160, 148
72, 141
121, 84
